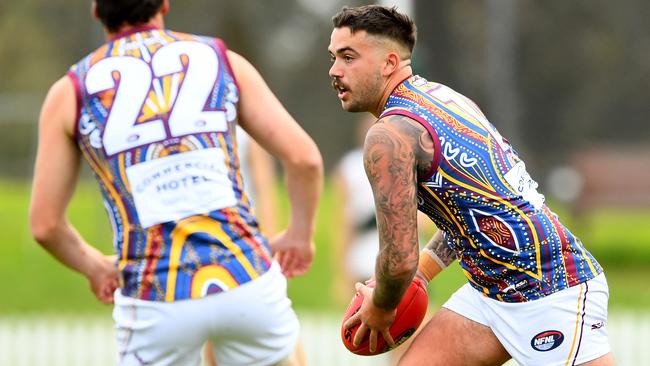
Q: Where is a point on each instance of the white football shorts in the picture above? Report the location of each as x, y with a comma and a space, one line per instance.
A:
252, 324
565, 328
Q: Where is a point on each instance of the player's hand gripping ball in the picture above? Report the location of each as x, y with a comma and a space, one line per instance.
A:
409, 315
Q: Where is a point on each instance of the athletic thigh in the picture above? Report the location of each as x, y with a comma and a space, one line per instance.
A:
257, 325
606, 360
451, 339
296, 358
158, 333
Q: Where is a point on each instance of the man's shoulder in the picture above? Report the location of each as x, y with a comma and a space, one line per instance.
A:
88, 57
191, 36
396, 132
399, 124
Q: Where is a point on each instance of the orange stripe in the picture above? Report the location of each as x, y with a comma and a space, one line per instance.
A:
257, 246
556, 230
122, 171
194, 224
578, 243
104, 176
577, 327
97, 56
448, 211
150, 266
207, 273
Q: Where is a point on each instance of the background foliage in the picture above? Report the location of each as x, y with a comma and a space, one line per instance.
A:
556, 77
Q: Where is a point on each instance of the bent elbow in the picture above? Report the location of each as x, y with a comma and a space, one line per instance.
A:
42, 229
313, 163
308, 163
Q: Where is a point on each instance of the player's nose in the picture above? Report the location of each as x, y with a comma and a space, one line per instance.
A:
335, 70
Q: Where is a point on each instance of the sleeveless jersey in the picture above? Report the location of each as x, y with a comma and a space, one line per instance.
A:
157, 113
509, 244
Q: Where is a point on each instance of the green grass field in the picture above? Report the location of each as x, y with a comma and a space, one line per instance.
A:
33, 282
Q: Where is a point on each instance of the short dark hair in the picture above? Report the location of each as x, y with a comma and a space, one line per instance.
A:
115, 13
378, 20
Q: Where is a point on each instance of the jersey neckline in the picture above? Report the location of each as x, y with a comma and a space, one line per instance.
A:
132, 30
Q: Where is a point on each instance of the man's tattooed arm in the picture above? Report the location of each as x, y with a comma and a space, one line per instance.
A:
396, 150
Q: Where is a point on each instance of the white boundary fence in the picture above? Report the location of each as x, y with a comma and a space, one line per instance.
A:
89, 341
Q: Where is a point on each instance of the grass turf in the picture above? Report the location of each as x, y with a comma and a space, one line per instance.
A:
33, 282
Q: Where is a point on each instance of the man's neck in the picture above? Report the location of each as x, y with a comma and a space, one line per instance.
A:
393, 81
155, 22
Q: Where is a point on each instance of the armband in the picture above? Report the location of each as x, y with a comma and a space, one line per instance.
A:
429, 264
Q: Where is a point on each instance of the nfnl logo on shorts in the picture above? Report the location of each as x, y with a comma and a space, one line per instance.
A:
547, 340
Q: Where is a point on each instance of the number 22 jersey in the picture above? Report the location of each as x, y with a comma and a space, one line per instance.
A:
156, 117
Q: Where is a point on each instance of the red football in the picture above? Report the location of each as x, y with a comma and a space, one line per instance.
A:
410, 312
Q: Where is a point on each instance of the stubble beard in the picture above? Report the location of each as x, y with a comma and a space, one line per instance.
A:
367, 94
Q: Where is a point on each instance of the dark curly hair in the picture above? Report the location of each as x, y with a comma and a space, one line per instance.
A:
378, 20
115, 13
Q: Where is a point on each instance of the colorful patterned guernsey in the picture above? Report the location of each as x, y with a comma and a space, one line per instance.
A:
509, 244
157, 112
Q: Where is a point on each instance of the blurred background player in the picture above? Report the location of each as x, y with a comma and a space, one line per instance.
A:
153, 112
356, 245
258, 172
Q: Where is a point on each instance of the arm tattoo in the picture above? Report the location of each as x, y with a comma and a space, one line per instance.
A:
392, 153
438, 249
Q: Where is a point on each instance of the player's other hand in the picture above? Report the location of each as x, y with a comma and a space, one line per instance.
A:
372, 318
104, 279
294, 254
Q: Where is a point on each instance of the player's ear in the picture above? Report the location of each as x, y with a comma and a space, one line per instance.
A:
165, 7
93, 10
391, 63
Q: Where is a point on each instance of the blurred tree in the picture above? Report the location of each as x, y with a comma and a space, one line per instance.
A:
586, 65
581, 69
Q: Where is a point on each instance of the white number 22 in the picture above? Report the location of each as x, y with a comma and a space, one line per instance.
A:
187, 115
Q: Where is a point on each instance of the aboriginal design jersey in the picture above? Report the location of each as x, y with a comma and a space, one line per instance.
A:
509, 244
157, 113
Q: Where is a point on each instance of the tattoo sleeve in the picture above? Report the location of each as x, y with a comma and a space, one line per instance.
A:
439, 251
392, 152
